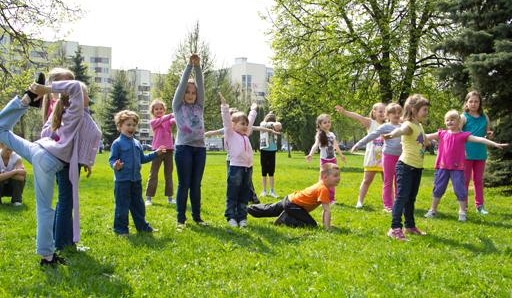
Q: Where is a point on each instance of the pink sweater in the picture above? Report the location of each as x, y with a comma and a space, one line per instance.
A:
238, 145
162, 131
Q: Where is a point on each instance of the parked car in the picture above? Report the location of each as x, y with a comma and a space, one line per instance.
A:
213, 147
147, 147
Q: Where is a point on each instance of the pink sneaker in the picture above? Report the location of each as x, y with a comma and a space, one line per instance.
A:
415, 231
397, 234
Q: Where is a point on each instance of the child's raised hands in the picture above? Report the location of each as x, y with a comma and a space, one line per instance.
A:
254, 106
222, 99
194, 60
339, 109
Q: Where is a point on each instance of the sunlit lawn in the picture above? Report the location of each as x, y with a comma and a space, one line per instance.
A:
469, 259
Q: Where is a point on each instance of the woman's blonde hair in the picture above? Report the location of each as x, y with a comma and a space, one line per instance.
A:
393, 108
375, 107
61, 104
452, 114
155, 102
55, 74
124, 115
238, 117
412, 105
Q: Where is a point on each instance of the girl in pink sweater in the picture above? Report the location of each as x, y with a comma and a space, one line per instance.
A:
161, 124
237, 128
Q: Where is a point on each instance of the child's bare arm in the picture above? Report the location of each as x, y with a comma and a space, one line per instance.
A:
337, 148
313, 149
212, 133
400, 131
487, 142
326, 216
365, 121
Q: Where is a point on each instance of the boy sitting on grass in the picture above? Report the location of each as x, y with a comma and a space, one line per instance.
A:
294, 209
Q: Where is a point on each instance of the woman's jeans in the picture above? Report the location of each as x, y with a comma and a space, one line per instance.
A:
45, 166
190, 162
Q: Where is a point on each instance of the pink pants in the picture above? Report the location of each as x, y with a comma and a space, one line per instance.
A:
474, 169
332, 190
388, 166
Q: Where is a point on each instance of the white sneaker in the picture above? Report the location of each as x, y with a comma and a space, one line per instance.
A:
17, 204
242, 223
263, 194
232, 222
148, 203
481, 210
359, 205
273, 194
171, 200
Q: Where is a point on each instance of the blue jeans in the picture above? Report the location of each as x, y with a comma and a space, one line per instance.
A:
190, 162
63, 226
45, 166
238, 192
407, 184
128, 197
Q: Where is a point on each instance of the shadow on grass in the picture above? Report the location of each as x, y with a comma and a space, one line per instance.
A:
258, 237
487, 246
472, 218
149, 240
85, 274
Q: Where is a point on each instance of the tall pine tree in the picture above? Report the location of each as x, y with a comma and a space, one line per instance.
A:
119, 100
483, 52
78, 67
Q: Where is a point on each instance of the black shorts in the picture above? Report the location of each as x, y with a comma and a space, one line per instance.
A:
268, 163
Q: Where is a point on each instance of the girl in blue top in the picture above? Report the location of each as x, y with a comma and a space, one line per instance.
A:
190, 149
475, 121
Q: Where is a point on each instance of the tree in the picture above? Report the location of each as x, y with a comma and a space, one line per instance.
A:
353, 53
214, 80
78, 67
22, 21
118, 101
367, 49
482, 59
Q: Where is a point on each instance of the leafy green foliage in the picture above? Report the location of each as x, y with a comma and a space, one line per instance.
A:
119, 100
357, 259
483, 49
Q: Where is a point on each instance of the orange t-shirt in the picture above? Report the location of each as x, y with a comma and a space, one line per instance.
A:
311, 197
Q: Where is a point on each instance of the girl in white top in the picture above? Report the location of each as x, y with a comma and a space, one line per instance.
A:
326, 141
373, 154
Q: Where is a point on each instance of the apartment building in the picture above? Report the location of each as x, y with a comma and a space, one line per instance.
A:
140, 82
252, 79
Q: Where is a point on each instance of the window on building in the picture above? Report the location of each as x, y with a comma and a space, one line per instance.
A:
246, 81
97, 80
99, 60
143, 88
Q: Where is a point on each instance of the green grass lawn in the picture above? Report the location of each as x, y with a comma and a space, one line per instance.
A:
357, 259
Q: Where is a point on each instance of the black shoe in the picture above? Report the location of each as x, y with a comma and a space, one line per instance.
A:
281, 220
33, 102
255, 200
56, 260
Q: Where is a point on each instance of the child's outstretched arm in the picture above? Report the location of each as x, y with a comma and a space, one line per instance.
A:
212, 133
337, 148
313, 149
326, 216
487, 142
264, 129
397, 132
365, 121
